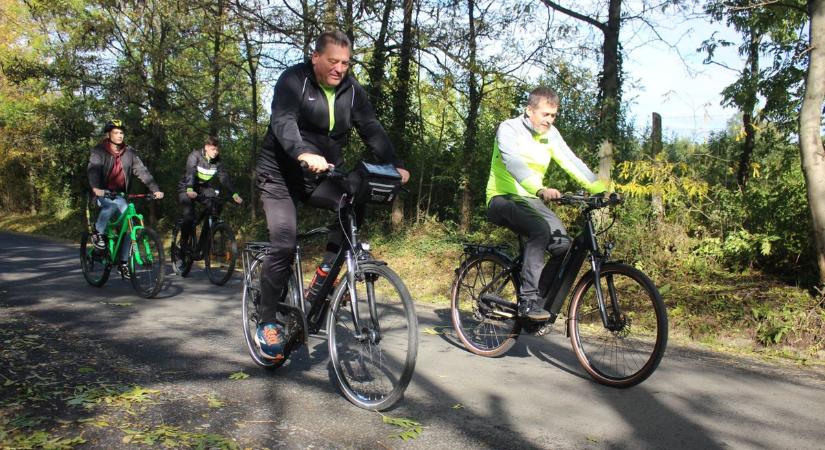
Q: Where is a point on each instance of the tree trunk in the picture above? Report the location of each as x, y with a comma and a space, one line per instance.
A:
401, 105
349, 22
375, 73
217, 66
471, 124
252, 67
751, 77
656, 201
330, 15
610, 83
306, 23
810, 126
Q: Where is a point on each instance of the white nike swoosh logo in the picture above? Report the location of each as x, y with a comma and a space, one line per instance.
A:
311, 98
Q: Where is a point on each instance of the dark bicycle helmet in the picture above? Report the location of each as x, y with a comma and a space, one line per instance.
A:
112, 124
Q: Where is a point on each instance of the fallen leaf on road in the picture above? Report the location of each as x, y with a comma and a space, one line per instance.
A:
238, 376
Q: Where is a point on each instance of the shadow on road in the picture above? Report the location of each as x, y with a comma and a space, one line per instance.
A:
191, 334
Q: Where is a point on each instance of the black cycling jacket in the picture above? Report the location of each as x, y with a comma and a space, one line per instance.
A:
201, 171
300, 124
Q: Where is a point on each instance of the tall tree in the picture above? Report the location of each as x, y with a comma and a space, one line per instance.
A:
400, 131
810, 128
610, 80
378, 64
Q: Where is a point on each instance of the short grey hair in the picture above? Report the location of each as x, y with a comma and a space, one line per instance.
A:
542, 93
336, 37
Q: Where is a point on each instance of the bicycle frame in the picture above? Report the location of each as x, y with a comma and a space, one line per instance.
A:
125, 222
208, 217
347, 255
584, 245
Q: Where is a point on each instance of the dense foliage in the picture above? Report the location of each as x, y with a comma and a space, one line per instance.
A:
175, 72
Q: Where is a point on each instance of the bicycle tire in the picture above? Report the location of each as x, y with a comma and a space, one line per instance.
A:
91, 260
146, 263
250, 312
181, 263
484, 329
629, 354
222, 254
373, 374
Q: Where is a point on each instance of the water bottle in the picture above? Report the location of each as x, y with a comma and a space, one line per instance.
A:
317, 280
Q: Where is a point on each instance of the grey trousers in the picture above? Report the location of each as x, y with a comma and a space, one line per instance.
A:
541, 228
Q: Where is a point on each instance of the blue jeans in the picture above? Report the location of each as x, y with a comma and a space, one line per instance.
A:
108, 208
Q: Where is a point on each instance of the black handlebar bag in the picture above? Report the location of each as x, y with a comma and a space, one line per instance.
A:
379, 183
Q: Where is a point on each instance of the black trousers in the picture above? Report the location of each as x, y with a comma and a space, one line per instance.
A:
282, 224
187, 212
542, 230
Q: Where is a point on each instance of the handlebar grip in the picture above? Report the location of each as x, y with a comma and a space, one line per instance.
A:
330, 167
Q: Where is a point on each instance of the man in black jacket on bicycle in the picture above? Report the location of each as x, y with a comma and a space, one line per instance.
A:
111, 165
203, 167
315, 105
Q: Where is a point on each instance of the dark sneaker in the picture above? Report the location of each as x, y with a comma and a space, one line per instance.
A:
99, 241
270, 341
529, 308
124, 271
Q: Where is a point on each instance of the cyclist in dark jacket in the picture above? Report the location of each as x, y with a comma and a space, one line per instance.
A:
314, 107
111, 165
203, 168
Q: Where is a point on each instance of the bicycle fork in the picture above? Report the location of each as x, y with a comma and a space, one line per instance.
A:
371, 334
611, 322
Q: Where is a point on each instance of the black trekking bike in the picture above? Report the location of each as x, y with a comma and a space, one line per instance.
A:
616, 319
366, 311
215, 245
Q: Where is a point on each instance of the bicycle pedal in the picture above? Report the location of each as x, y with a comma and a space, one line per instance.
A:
500, 313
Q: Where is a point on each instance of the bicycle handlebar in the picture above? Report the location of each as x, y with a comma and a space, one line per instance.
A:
332, 172
591, 201
113, 195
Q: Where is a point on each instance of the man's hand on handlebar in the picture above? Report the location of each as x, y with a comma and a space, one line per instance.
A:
548, 194
315, 163
157, 195
191, 194
237, 198
98, 192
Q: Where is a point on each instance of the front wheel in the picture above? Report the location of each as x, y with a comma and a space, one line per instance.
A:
93, 262
374, 362
222, 254
146, 263
626, 351
485, 327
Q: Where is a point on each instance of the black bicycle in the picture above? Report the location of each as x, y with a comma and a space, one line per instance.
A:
616, 319
366, 311
215, 245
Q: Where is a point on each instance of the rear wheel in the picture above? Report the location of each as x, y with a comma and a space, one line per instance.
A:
373, 365
146, 263
629, 349
222, 254
93, 262
485, 327
181, 261
251, 312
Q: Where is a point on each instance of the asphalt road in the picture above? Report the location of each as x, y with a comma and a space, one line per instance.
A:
187, 342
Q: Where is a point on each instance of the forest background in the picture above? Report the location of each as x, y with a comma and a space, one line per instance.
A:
731, 228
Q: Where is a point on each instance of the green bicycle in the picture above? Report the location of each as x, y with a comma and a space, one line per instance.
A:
145, 261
